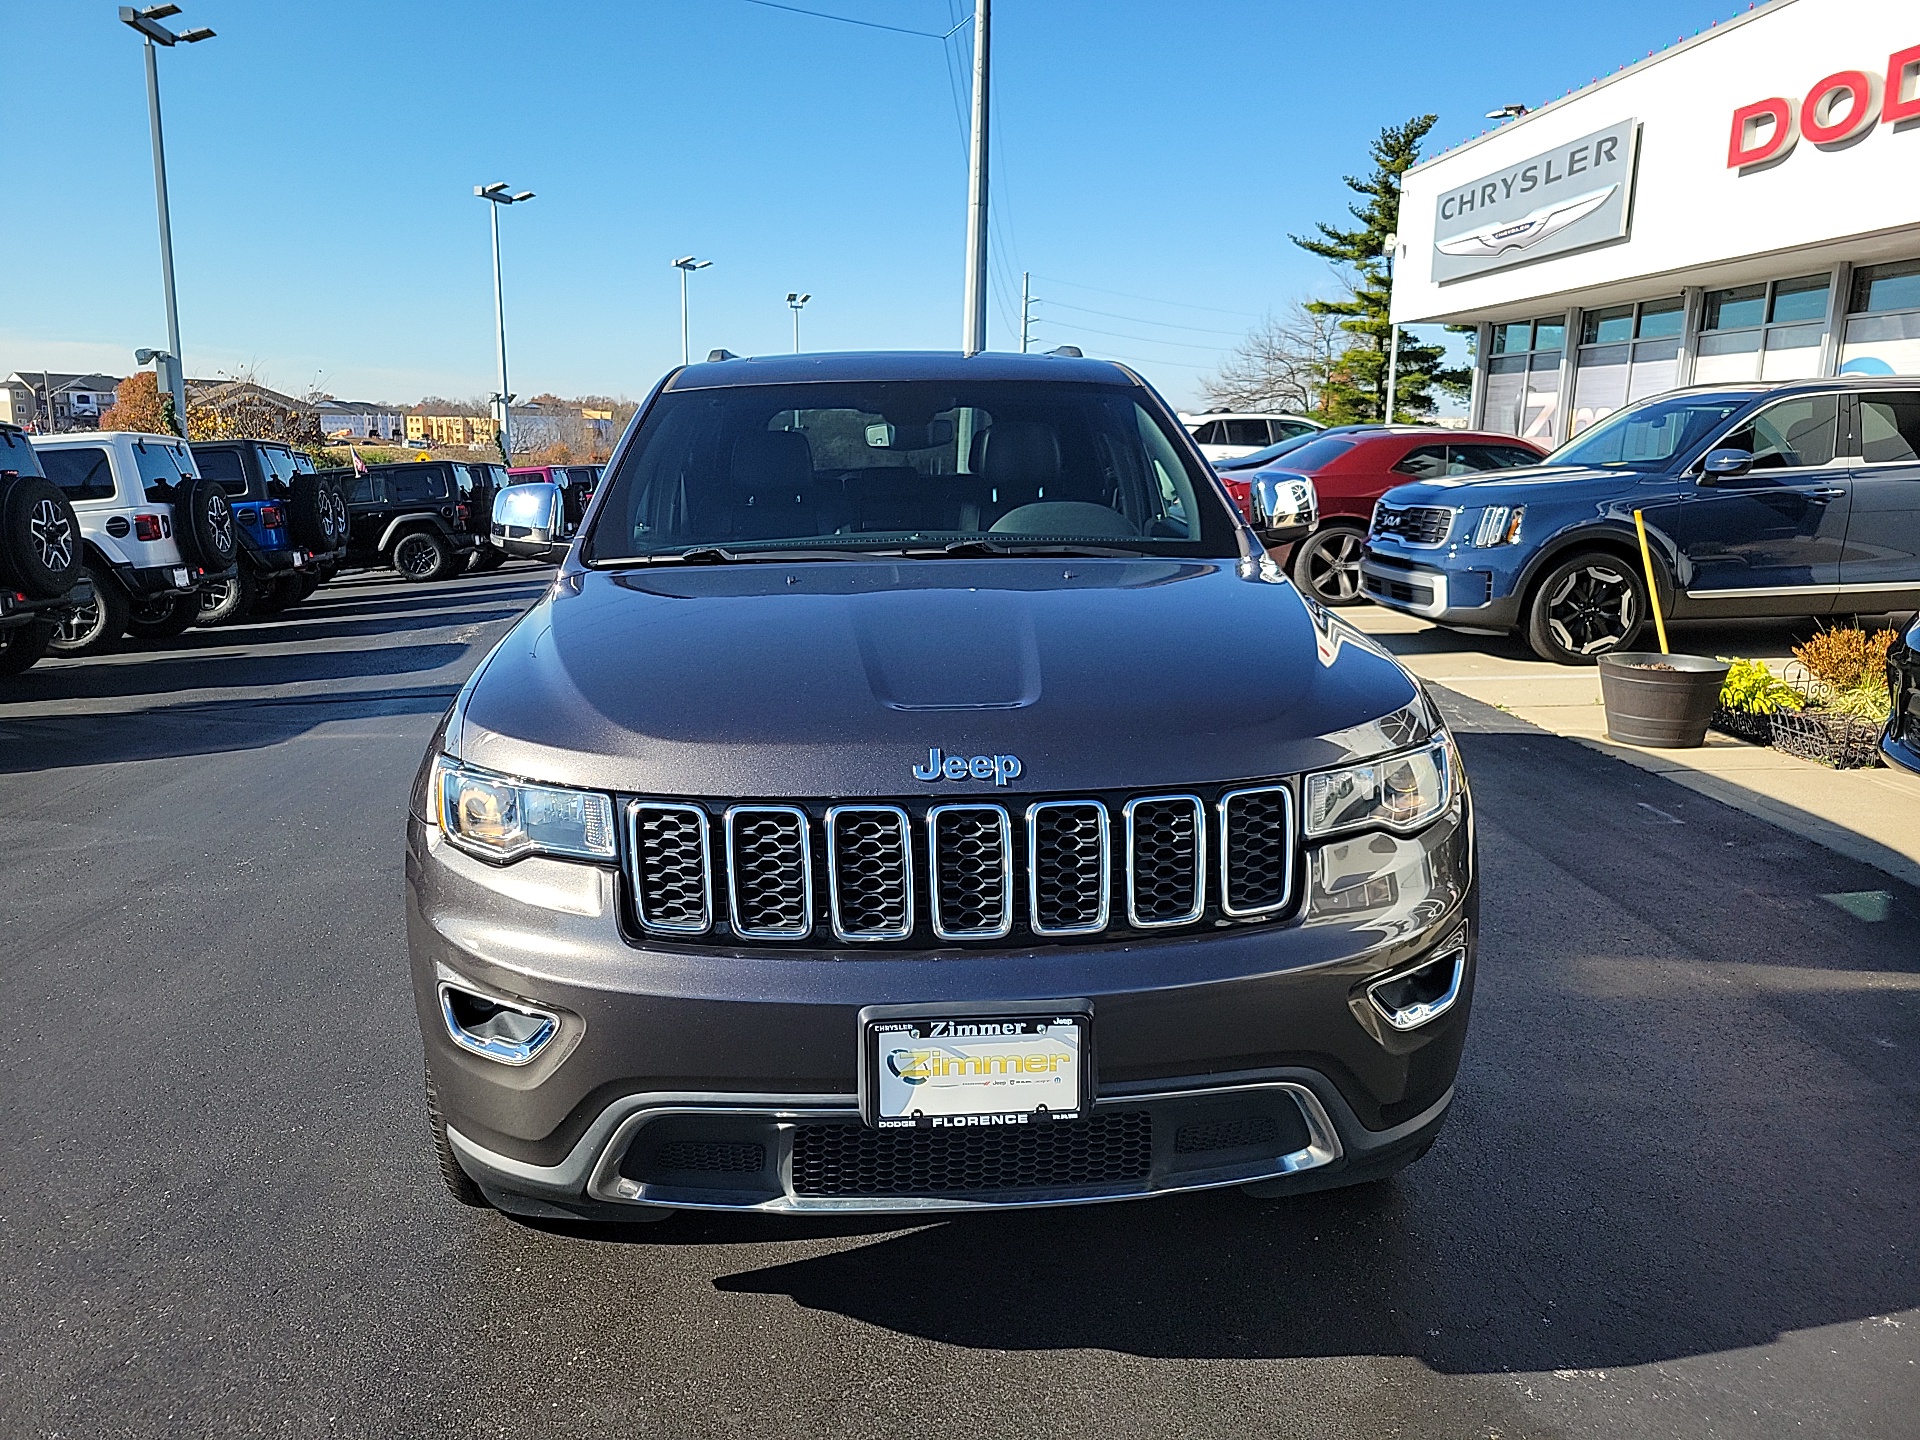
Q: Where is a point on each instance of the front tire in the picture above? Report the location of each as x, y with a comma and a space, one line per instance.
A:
96, 627
459, 1184
422, 555
161, 617
1326, 565
229, 601
1586, 607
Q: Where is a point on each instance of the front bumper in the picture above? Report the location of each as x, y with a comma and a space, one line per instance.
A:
727, 1078
1461, 597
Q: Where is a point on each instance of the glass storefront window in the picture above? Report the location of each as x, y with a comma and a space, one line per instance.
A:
1605, 327
1880, 288
1662, 319
1513, 339
1549, 335
1802, 299
1735, 309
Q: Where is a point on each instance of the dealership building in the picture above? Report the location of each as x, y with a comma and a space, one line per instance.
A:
1743, 206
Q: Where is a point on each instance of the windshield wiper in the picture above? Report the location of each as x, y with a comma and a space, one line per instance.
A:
1026, 547
720, 555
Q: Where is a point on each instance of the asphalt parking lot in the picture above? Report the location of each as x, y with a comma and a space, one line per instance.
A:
1677, 1196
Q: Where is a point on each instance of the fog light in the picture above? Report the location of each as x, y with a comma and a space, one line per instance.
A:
1412, 998
498, 1029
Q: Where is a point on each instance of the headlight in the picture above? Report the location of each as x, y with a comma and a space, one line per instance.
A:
503, 819
1396, 792
1499, 525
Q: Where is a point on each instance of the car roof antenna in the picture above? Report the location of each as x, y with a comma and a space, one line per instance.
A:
1071, 352
715, 355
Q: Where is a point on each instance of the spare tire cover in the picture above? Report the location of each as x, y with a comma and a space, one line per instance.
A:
40, 551
203, 524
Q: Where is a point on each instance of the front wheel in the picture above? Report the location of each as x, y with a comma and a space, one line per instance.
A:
228, 601
1586, 607
459, 1184
422, 555
96, 626
161, 617
1326, 565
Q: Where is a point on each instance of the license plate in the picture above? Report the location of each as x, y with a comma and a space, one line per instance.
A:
180, 576
965, 1071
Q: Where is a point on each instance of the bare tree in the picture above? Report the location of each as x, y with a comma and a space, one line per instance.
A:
1283, 364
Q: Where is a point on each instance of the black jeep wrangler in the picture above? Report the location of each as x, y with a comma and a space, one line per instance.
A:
42, 579
422, 518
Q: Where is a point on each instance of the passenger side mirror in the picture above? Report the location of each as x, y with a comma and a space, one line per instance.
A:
1725, 465
529, 520
1285, 508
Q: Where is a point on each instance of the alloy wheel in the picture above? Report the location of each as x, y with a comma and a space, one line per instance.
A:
1333, 566
81, 625
220, 514
415, 557
1592, 610
52, 535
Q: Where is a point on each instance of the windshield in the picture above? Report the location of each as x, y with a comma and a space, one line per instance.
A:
1320, 451
924, 467
1648, 436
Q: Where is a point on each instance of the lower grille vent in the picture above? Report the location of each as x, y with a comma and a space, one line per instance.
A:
833, 1159
1226, 1135
711, 1157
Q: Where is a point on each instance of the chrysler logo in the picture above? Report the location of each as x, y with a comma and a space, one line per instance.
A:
1529, 230
941, 766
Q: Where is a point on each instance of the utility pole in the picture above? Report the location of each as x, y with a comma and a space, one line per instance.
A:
686, 265
497, 193
147, 22
1026, 307
975, 328
1393, 343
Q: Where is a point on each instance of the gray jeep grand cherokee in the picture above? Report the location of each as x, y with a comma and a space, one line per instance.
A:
920, 790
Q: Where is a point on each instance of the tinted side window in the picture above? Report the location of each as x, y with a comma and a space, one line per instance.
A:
1248, 432
84, 472
1466, 459
359, 490
408, 486
1424, 462
224, 466
161, 468
1890, 428
1214, 432
1288, 429
1791, 435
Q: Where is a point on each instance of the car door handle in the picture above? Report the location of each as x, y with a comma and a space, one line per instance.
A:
1831, 492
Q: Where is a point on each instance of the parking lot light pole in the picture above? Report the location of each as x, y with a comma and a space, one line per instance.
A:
686, 265
1393, 343
974, 337
498, 194
147, 22
795, 300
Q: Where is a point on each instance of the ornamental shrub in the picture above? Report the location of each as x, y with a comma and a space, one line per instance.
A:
1752, 689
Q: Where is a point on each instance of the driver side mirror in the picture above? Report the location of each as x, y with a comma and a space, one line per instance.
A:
529, 520
1285, 508
1725, 465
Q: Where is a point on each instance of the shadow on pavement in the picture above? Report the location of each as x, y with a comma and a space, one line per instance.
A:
169, 674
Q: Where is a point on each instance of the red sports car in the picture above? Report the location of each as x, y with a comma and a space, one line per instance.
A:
1354, 468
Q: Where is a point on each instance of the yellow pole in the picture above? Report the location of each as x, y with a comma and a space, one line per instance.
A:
1653, 585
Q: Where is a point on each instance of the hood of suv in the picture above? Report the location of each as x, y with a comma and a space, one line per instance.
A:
1504, 487
837, 678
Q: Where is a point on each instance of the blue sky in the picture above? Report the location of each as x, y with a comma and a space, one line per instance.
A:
1150, 161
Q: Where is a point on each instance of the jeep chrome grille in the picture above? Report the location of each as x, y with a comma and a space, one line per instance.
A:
673, 880
769, 872
971, 863
870, 872
960, 873
1067, 867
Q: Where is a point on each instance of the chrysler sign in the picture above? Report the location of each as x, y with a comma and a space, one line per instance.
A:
1573, 196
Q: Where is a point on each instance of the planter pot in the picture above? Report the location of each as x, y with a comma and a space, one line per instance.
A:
1665, 701
1843, 741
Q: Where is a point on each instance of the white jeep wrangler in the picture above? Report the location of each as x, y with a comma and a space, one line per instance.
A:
155, 533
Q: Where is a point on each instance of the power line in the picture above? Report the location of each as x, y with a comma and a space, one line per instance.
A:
849, 20
1143, 320
1140, 339
1149, 299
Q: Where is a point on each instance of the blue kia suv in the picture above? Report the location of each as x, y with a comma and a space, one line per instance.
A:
1800, 498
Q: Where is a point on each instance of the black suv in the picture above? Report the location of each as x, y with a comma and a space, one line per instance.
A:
42, 575
291, 523
883, 810
415, 517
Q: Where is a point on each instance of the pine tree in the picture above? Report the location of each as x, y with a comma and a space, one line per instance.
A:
1356, 389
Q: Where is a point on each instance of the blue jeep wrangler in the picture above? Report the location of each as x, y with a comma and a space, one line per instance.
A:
292, 526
